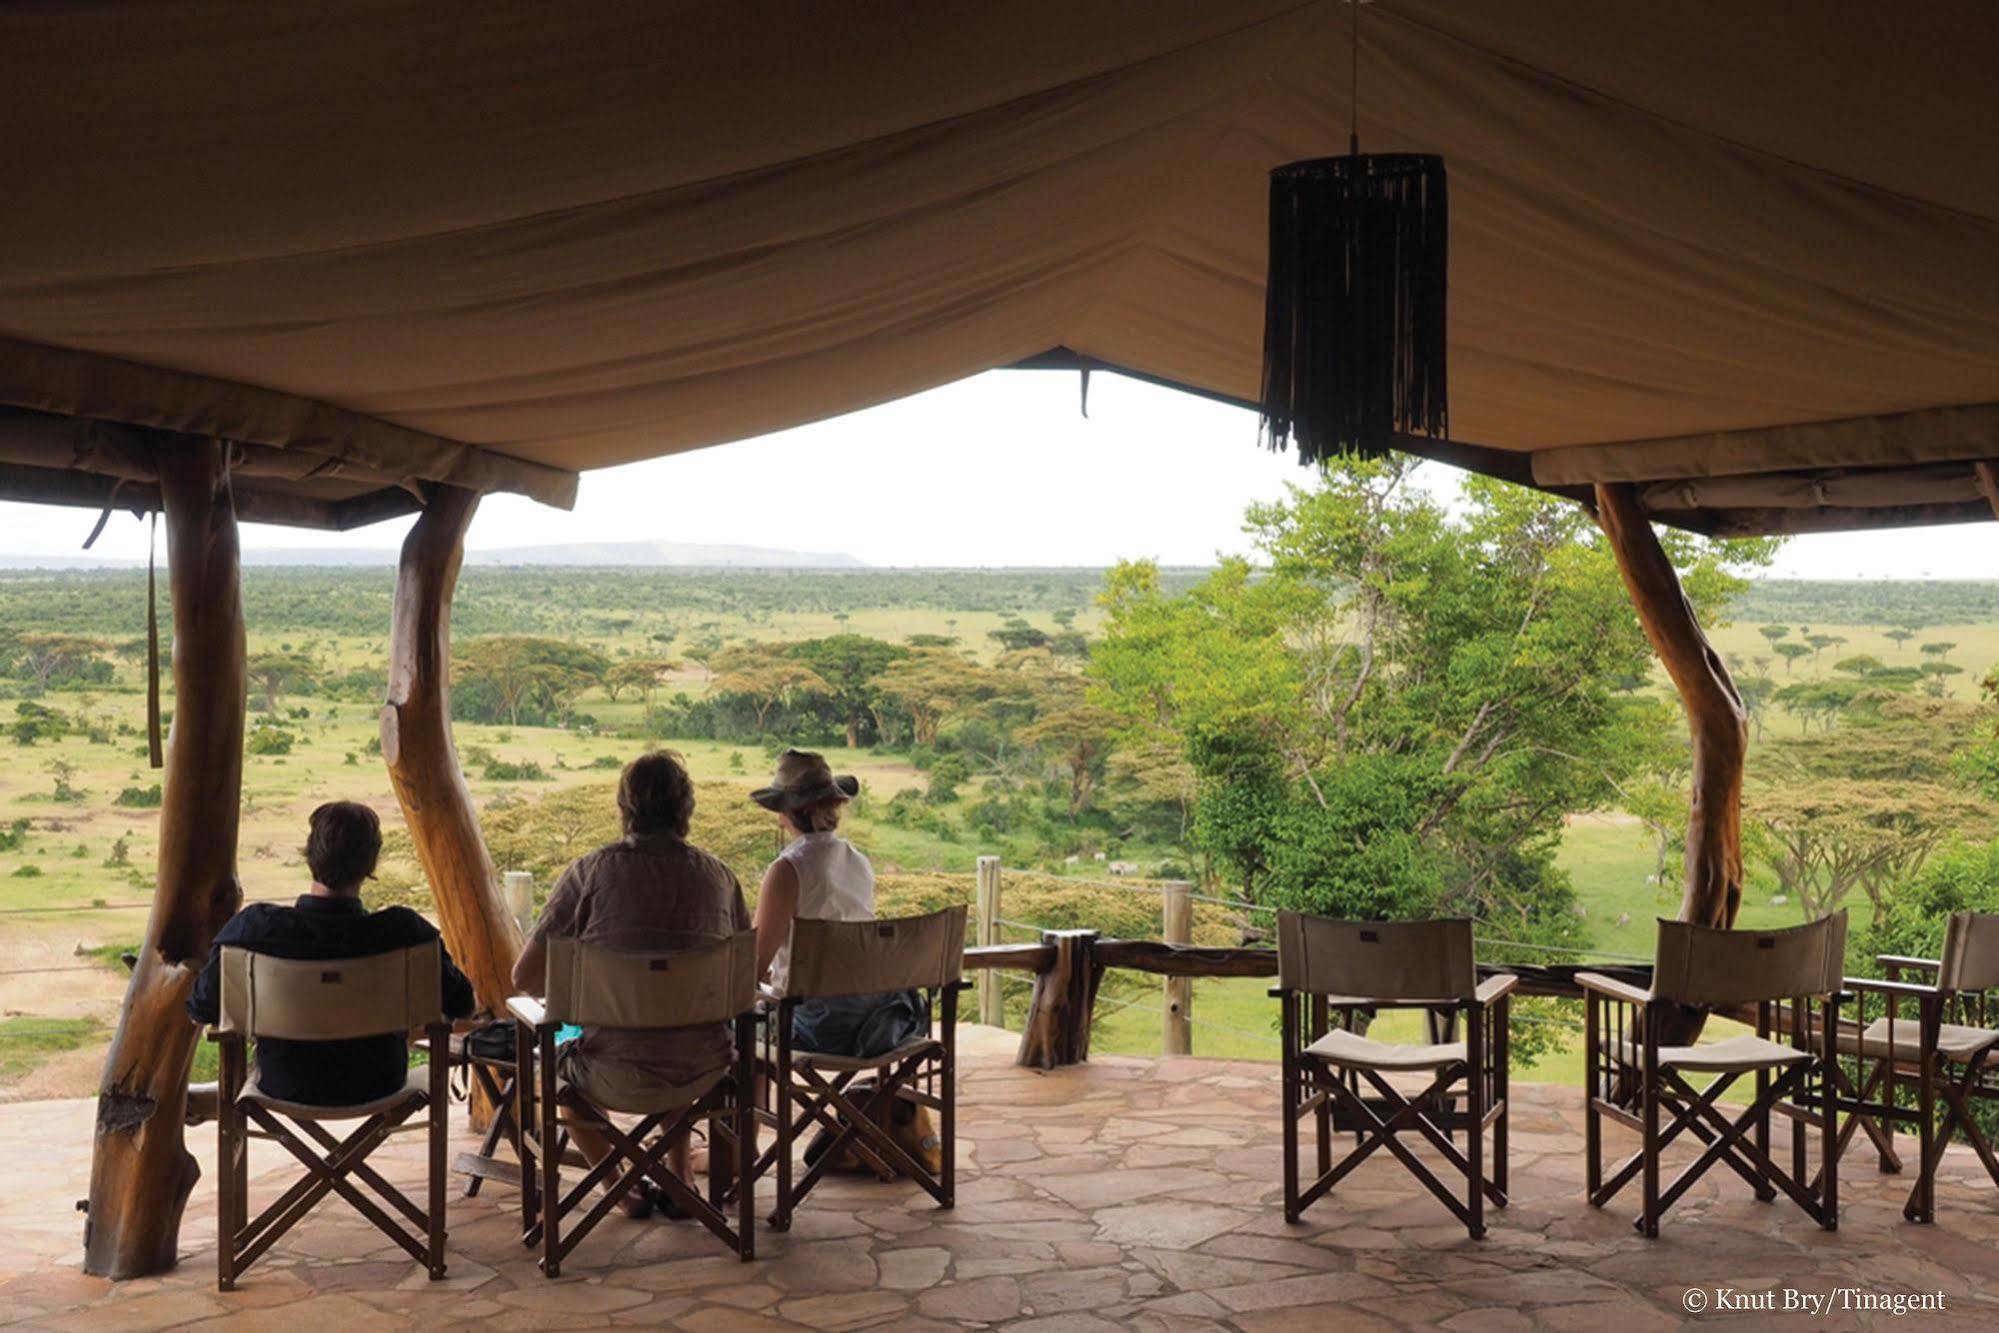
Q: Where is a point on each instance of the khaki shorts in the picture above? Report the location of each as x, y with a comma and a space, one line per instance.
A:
619, 1085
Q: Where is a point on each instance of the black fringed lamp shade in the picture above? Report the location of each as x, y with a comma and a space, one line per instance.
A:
1353, 334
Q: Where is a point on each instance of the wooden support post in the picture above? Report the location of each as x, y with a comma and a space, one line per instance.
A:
423, 762
1057, 1031
992, 995
1177, 927
1719, 723
140, 1170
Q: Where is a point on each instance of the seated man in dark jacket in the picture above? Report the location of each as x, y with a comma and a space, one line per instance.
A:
330, 922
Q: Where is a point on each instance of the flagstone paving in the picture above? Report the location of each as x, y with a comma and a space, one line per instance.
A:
1124, 1194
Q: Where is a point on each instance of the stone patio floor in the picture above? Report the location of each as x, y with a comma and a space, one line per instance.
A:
1126, 1193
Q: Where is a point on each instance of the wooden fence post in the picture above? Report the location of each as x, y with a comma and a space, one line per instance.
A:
1177, 927
992, 995
1057, 1031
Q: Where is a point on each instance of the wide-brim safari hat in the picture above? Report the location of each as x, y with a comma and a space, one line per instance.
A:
804, 779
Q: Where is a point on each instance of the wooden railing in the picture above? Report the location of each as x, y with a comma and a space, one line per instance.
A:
1067, 966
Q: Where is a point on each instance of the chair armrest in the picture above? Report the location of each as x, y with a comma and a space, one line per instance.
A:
529, 1012
1275, 992
961, 985
1496, 988
1876, 986
1613, 988
1898, 962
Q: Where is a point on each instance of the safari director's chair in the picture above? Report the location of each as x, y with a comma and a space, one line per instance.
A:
608, 988
325, 1000
1948, 1049
841, 958
1787, 983
1349, 969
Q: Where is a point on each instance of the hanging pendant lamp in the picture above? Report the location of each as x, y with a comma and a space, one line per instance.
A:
1353, 332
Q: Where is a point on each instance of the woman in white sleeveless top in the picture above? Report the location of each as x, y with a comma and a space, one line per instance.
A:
820, 875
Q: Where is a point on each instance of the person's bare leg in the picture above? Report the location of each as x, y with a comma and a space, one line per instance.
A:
595, 1148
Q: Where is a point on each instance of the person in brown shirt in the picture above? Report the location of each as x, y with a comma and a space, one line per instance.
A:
650, 892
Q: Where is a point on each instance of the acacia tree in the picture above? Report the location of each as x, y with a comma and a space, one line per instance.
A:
280, 673
926, 686
1395, 714
1823, 837
522, 675
1078, 737
44, 656
766, 675
1791, 652
640, 674
848, 665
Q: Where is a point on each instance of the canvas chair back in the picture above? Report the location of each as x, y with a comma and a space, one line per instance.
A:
1700, 965
1382, 960
1970, 952
610, 988
330, 999
830, 958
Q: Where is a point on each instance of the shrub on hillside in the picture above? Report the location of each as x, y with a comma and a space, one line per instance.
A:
139, 798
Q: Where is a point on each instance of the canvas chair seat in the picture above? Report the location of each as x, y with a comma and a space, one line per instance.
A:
414, 1092
595, 986
1739, 1054
657, 1100
1904, 1037
1351, 1050
328, 999
1337, 1078
856, 1063
812, 1091
1793, 980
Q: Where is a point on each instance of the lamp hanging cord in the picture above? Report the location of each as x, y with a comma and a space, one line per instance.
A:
155, 751
1353, 83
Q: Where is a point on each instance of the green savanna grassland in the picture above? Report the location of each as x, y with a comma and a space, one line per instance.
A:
76, 800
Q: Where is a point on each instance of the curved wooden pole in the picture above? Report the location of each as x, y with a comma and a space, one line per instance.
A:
423, 762
140, 1171
1719, 723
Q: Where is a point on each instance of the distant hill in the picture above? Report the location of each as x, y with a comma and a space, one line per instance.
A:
687, 555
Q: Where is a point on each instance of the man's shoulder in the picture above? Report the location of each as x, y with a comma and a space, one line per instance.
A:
252, 919
403, 921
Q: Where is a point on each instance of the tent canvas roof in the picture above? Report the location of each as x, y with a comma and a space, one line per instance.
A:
1747, 255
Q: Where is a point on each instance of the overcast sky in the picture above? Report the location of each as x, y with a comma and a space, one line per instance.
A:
1000, 469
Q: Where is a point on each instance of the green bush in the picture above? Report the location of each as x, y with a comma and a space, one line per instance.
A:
499, 770
139, 798
29, 871
269, 740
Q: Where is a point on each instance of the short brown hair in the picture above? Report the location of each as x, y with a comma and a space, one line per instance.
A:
343, 845
656, 795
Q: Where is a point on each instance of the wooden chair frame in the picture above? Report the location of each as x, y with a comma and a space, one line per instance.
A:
1620, 1020
545, 1107
240, 1239
495, 1079
802, 1097
1871, 1100
1332, 1096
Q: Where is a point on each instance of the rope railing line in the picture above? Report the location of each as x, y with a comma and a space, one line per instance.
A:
1236, 904
1585, 954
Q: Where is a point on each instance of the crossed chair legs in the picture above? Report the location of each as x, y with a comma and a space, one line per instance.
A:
1374, 1131
334, 1168
1741, 1144
803, 1097
1872, 1106
636, 1154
